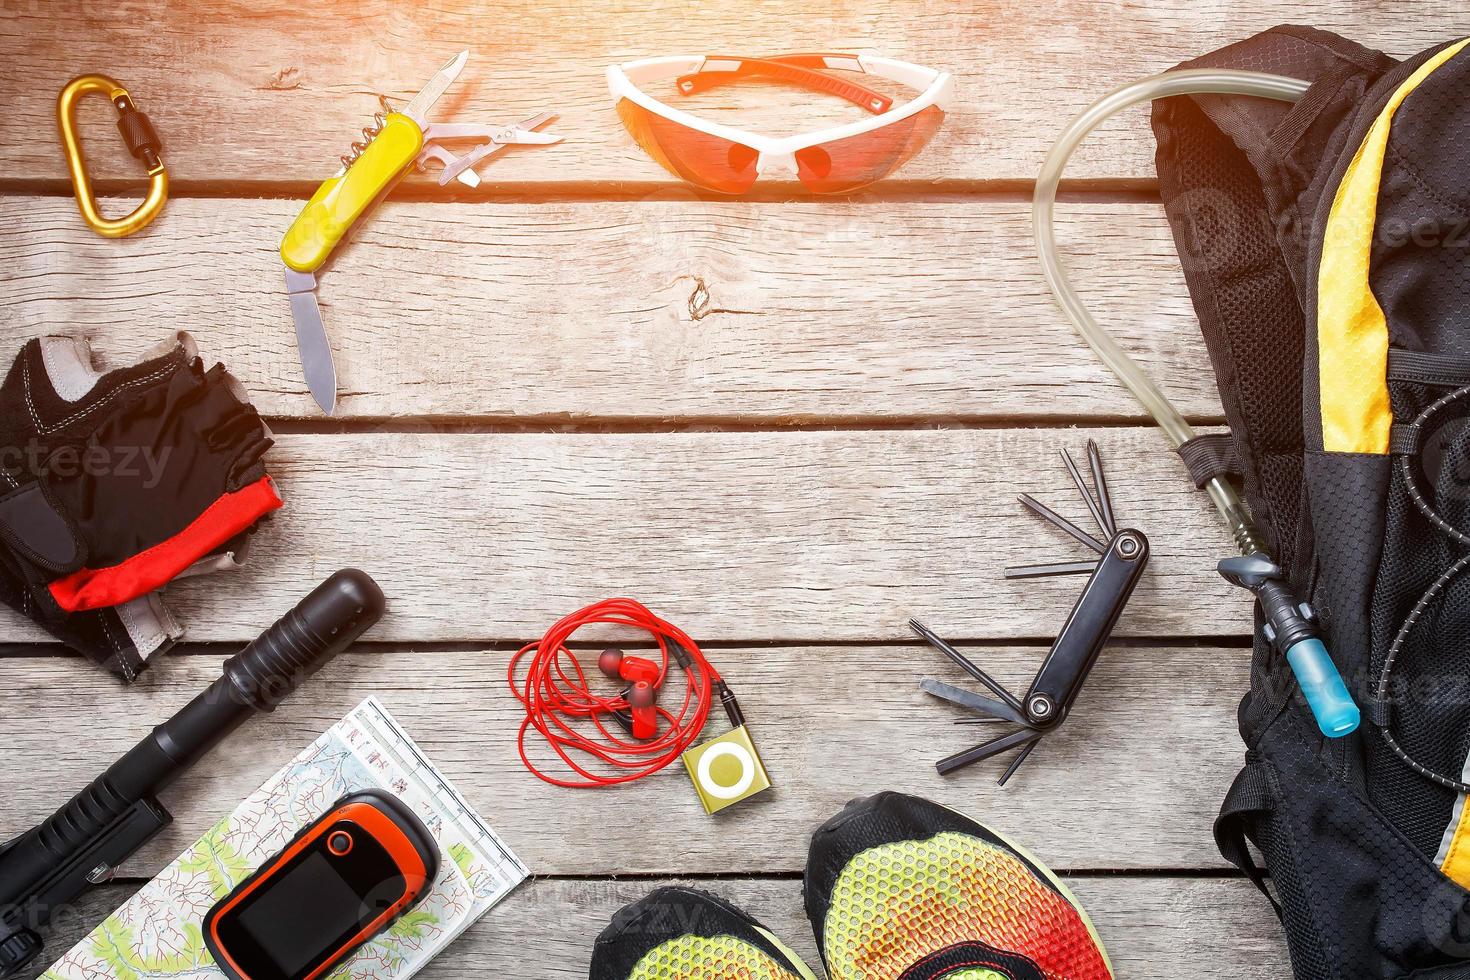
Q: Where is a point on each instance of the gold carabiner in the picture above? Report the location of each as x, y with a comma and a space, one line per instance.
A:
142, 143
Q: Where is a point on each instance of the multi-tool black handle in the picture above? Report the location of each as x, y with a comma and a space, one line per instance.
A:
1087, 629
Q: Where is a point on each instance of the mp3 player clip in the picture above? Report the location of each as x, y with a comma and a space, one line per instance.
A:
339, 882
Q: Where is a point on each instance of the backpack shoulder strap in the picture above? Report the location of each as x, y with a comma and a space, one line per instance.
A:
1249, 798
1238, 177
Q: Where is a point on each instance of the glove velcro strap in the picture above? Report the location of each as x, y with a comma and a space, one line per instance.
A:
31, 525
222, 520
147, 629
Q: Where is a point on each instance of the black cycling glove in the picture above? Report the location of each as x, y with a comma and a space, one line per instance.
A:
113, 484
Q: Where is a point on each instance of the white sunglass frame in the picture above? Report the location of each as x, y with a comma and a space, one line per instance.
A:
936, 90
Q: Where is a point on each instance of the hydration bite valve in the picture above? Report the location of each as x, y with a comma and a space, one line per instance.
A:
1291, 627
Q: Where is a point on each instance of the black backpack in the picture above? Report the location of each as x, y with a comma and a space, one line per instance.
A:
1326, 245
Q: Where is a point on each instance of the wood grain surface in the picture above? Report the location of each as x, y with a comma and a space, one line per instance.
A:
833, 723
267, 92
663, 312
737, 536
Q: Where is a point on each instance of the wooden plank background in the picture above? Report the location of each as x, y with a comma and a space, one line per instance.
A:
220, 74
792, 536
1161, 933
694, 312
877, 730
787, 424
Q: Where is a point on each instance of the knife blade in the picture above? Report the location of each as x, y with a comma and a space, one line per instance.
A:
311, 339
418, 109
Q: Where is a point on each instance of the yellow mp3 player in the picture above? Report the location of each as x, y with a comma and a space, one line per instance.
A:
726, 770
339, 882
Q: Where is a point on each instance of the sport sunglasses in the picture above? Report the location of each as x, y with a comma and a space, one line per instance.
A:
829, 161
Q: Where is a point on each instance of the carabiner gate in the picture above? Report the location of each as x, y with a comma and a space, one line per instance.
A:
141, 140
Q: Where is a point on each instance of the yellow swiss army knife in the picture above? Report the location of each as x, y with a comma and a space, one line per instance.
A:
399, 141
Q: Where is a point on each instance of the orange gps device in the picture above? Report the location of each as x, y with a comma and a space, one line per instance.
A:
341, 881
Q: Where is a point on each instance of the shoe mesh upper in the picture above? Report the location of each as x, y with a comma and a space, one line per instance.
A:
709, 958
896, 904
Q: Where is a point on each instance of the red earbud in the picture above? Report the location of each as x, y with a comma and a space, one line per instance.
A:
644, 676
616, 664
642, 698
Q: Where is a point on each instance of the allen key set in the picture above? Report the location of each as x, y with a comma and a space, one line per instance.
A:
1122, 557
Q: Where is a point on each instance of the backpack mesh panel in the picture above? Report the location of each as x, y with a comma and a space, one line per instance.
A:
1347, 507
1228, 247
1421, 253
1421, 278
1413, 556
1431, 715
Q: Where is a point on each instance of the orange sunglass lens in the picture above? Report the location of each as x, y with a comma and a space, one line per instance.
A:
847, 164
711, 162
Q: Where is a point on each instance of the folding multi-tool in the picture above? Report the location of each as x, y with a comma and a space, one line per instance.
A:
398, 142
1112, 578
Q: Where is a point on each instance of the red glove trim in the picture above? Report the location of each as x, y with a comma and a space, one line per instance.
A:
100, 588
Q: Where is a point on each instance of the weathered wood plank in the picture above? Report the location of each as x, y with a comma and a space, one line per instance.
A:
276, 91
817, 536
690, 309
832, 724
1153, 927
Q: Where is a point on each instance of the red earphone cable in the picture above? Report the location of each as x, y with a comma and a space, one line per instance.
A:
555, 693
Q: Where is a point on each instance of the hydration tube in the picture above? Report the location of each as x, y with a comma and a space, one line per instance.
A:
1290, 624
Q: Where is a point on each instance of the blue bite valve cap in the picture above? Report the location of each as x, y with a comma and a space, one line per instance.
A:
1336, 712
1291, 627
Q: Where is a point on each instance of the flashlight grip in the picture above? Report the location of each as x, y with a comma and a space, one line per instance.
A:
301, 642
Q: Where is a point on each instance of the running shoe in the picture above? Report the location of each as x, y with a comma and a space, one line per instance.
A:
684, 934
899, 888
